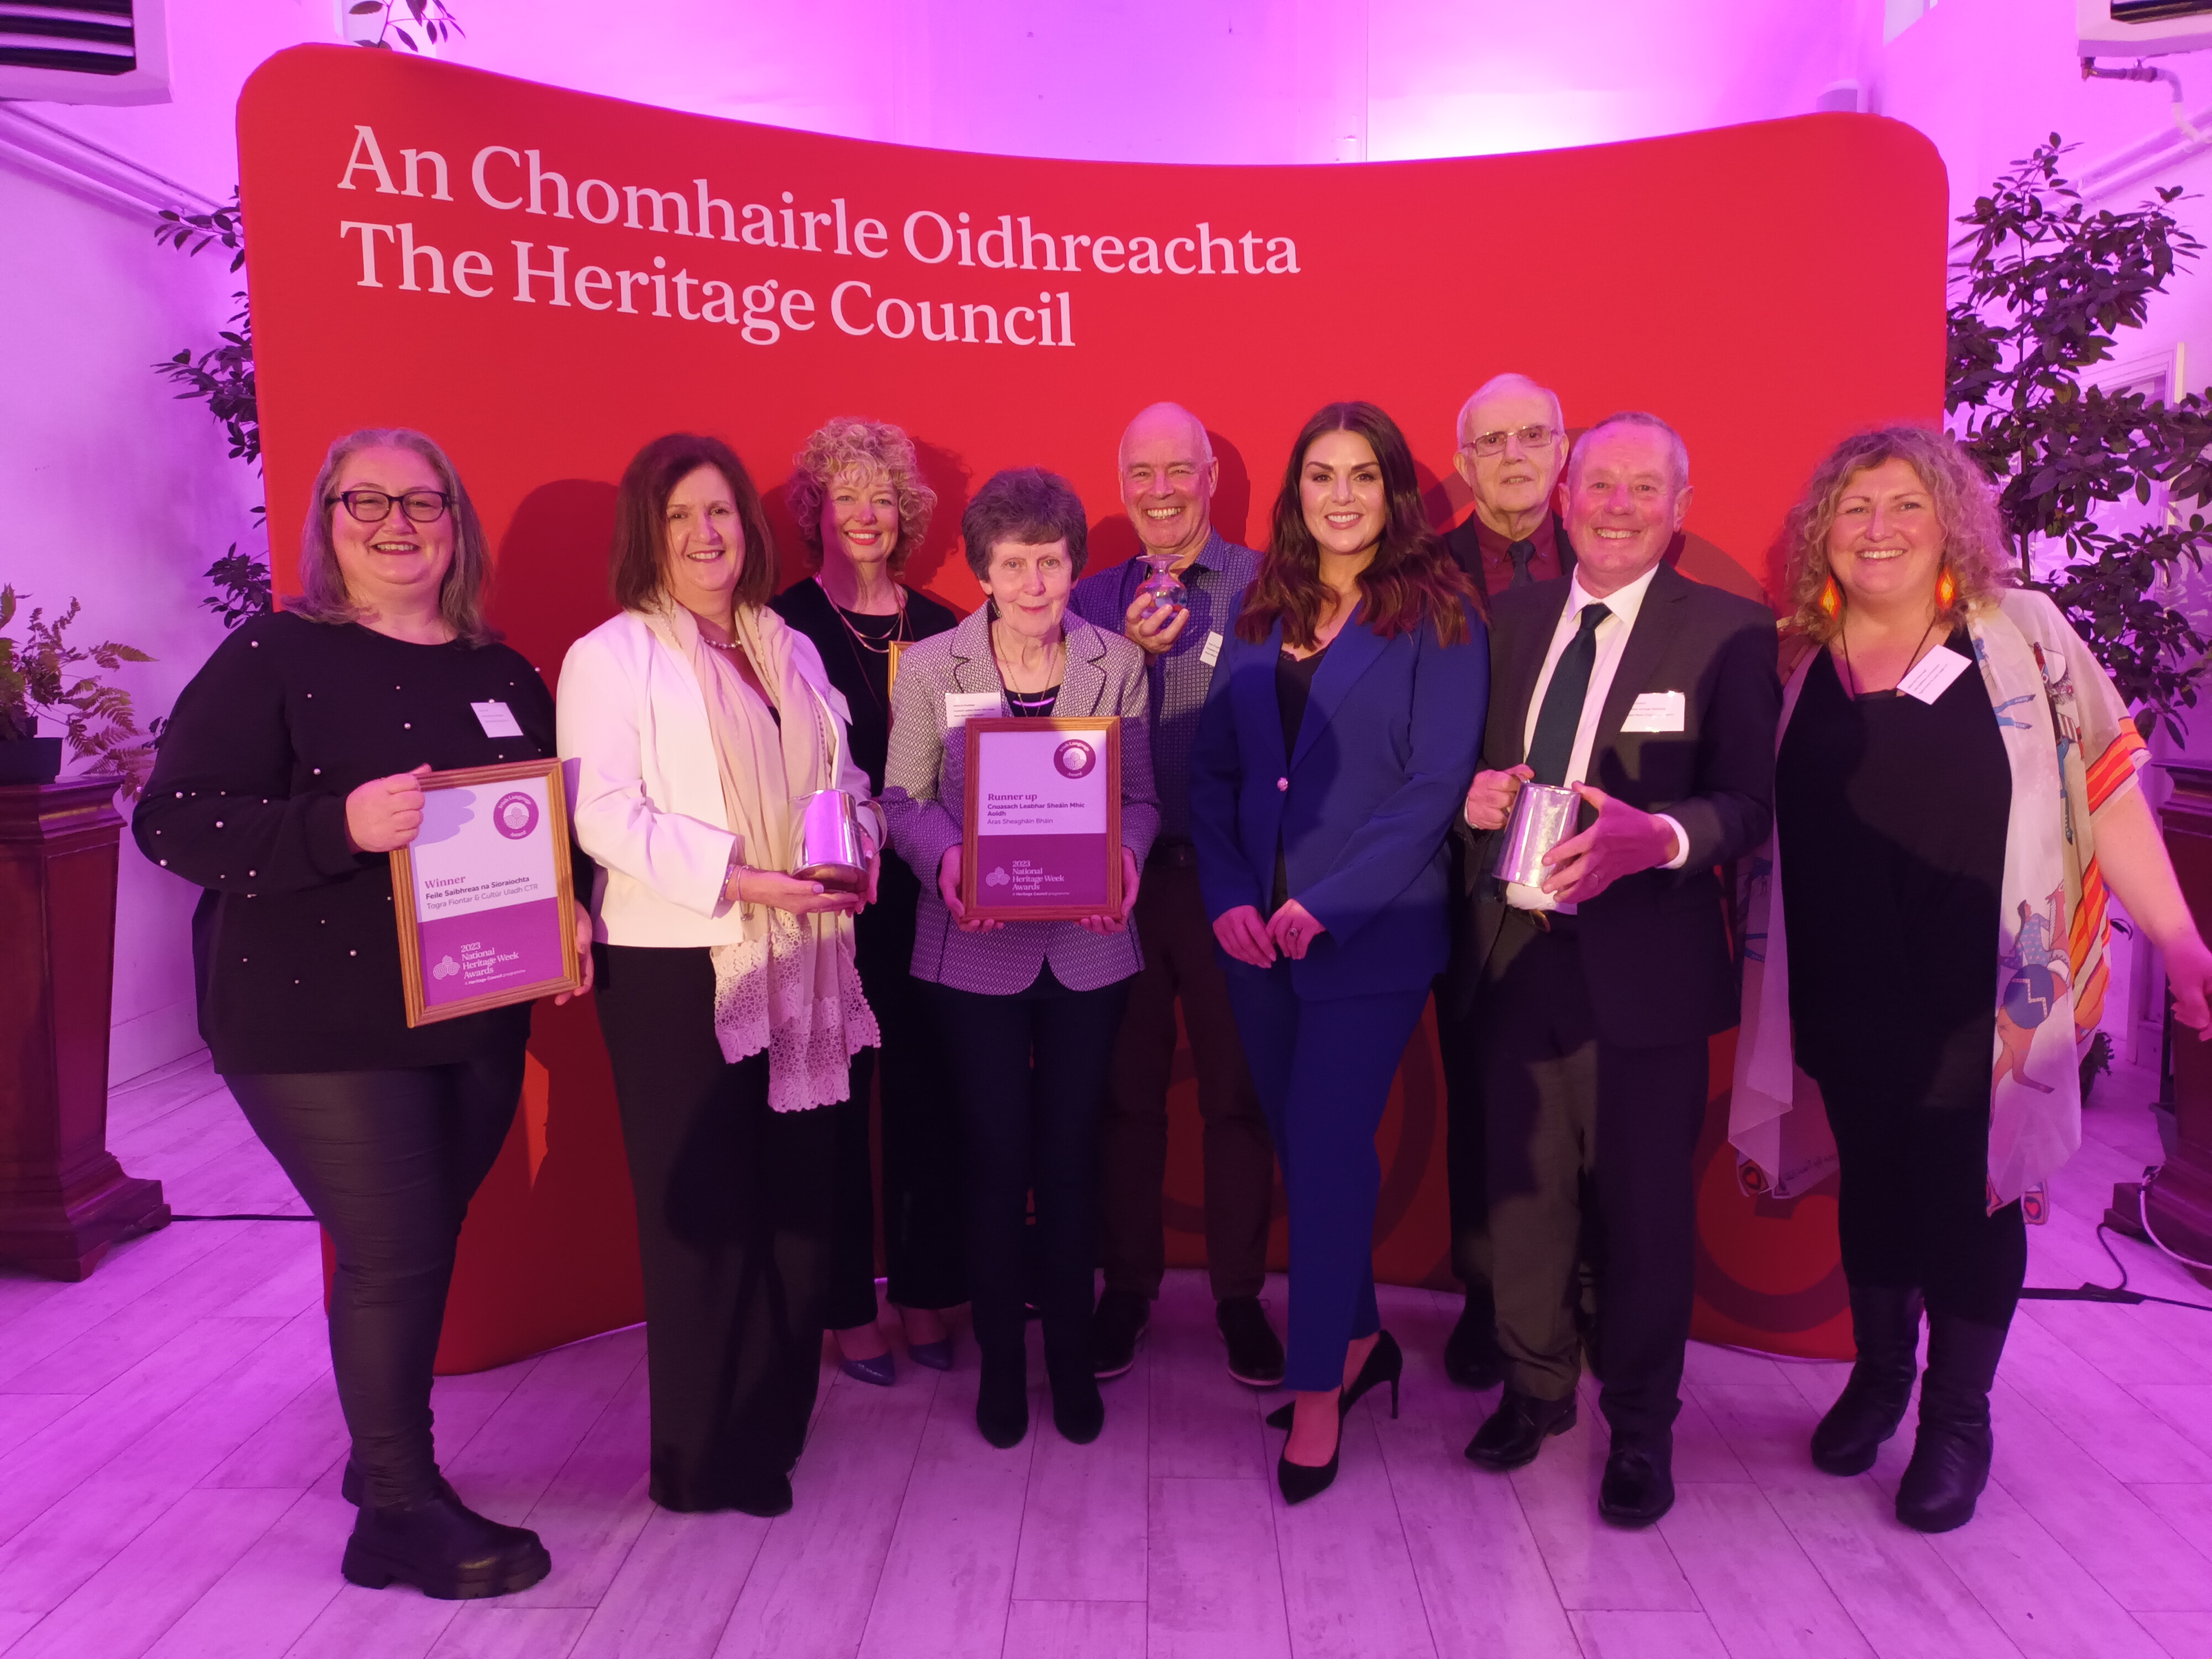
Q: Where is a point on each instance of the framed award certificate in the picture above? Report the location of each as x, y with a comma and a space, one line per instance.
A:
1044, 835
487, 913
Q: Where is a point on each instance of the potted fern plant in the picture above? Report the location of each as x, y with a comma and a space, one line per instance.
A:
43, 672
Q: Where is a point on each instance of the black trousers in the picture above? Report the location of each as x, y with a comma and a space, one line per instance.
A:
1589, 1149
924, 1252
387, 1161
1181, 963
735, 1213
1031, 1070
1913, 1212
1466, 1153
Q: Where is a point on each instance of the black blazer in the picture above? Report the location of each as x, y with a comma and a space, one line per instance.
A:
1655, 945
1466, 552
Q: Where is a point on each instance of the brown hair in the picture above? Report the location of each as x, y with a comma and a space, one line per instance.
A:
1411, 579
1965, 508
1027, 505
638, 561
323, 597
847, 443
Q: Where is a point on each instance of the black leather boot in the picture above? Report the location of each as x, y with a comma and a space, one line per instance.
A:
1951, 1455
1002, 1403
1886, 1324
444, 1549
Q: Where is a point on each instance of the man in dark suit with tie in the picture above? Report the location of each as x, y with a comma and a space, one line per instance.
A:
1589, 997
1512, 441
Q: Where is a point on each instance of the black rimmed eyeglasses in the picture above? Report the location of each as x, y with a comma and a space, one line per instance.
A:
374, 506
1533, 436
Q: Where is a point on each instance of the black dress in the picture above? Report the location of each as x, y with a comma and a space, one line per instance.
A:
924, 1249
1890, 815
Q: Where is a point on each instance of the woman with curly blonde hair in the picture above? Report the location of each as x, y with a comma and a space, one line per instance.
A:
1955, 794
862, 508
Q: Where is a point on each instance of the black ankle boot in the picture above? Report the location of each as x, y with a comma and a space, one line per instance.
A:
1002, 1403
1951, 1454
444, 1549
1886, 1324
1077, 1410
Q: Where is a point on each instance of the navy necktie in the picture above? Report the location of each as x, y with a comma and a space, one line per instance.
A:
1521, 552
1554, 745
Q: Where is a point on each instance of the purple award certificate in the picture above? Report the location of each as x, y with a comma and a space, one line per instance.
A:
486, 914
1043, 819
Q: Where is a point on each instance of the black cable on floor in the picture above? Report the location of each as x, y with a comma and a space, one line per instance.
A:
2119, 1293
240, 1218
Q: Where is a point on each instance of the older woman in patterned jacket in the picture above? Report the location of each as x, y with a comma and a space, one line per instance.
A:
1028, 1010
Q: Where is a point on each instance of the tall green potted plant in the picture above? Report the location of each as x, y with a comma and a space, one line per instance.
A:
2043, 287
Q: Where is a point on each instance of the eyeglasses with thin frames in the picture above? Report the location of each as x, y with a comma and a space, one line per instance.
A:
374, 506
1534, 436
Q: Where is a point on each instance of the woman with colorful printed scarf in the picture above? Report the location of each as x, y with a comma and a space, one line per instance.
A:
1954, 797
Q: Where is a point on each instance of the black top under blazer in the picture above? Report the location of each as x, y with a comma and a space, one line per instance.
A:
1656, 947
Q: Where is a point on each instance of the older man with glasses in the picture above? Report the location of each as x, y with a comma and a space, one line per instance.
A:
1512, 445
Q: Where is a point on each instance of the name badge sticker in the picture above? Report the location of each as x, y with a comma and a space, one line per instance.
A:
497, 719
1210, 653
1932, 675
960, 705
1657, 711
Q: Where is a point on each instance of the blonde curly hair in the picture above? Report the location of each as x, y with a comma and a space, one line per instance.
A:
1966, 506
845, 444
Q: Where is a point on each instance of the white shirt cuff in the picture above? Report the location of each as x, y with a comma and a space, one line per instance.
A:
1681, 841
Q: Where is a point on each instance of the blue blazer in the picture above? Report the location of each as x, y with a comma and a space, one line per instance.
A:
1363, 806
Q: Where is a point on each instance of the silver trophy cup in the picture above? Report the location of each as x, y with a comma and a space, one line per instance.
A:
1543, 816
825, 826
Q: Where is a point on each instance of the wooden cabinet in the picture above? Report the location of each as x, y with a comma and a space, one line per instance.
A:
2180, 1202
64, 1198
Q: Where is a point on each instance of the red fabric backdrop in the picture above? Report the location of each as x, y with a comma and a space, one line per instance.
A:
1712, 277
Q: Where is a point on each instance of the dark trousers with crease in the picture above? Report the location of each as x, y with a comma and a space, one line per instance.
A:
1912, 1208
387, 1161
1467, 1157
1182, 962
1031, 1074
1591, 1146
924, 1255
1323, 1069
735, 1214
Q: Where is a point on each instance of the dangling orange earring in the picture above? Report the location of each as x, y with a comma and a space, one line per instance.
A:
1947, 588
1831, 600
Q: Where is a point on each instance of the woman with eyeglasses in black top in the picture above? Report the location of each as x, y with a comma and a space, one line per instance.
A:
287, 777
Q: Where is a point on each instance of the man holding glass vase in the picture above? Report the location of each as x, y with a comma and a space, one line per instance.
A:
1175, 601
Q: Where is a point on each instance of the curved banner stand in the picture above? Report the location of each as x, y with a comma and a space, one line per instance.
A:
544, 279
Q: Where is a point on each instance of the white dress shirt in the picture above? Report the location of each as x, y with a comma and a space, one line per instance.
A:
1612, 638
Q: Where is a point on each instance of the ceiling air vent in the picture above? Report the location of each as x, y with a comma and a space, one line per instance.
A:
84, 51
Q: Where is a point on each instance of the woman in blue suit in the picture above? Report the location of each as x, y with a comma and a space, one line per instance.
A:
1338, 740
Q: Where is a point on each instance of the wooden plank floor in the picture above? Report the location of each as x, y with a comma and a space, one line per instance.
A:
170, 1448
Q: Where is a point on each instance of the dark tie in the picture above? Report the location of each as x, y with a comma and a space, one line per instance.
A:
1521, 552
1554, 745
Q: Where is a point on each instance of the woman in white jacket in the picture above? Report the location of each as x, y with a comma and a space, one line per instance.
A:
727, 992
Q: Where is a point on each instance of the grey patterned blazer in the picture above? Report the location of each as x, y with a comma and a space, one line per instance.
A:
926, 792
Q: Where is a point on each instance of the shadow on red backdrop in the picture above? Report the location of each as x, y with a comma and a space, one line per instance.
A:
392, 200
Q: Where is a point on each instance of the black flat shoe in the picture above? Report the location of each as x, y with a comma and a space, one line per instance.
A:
444, 1549
1002, 1403
1255, 1352
1516, 1430
1638, 1486
1385, 1362
1472, 1357
1299, 1481
1121, 1318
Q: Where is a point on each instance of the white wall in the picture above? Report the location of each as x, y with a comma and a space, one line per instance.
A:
123, 495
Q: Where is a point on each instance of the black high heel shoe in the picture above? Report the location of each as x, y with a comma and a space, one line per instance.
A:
1385, 1362
1299, 1481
